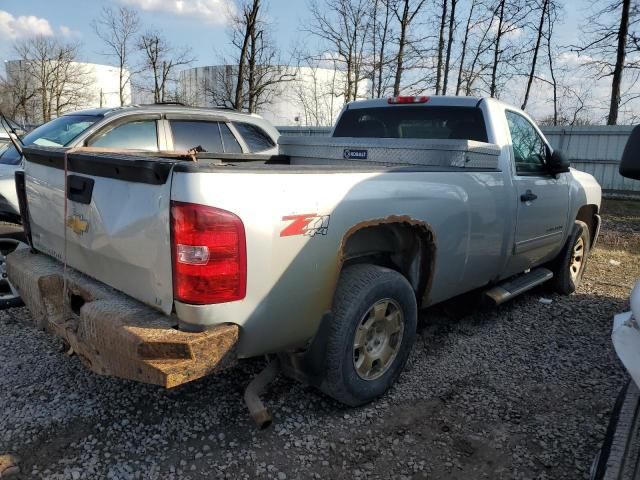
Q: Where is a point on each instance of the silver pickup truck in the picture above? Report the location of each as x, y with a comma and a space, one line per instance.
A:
164, 270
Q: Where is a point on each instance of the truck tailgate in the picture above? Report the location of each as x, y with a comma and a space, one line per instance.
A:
117, 219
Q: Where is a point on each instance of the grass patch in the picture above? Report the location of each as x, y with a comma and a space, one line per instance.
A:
620, 208
620, 225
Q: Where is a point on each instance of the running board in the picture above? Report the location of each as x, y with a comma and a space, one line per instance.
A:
515, 286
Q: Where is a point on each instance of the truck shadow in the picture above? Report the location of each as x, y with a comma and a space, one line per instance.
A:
525, 357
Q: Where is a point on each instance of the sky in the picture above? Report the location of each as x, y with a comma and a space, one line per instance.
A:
197, 23
202, 25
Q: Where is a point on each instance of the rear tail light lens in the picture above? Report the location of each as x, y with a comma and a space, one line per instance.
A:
400, 100
209, 254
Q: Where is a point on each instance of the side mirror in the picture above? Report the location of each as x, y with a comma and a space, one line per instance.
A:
558, 163
630, 164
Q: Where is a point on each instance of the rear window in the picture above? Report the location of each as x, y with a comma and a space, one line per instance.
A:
230, 142
256, 139
459, 123
188, 134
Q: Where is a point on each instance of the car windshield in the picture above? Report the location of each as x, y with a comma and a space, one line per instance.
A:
56, 133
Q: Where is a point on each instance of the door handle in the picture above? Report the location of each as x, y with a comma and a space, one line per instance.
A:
79, 189
528, 196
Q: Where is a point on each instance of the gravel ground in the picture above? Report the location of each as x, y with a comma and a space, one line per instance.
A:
520, 391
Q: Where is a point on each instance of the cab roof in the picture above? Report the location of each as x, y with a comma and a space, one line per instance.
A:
431, 100
163, 107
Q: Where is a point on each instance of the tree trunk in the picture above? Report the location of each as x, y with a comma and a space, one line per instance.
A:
252, 72
250, 19
464, 48
443, 23
623, 32
551, 70
122, 84
452, 19
383, 43
401, 45
496, 52
532, 73
374, 34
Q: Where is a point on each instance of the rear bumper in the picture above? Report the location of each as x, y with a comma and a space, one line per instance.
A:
114, 334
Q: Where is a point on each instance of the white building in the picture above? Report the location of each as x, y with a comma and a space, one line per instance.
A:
106, 84
307, 96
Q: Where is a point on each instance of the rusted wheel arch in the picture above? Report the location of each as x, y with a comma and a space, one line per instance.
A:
400, 242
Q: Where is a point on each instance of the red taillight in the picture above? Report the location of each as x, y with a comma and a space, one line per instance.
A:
209, 254
399, 100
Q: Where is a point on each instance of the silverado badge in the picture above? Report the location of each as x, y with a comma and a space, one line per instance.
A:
78, 224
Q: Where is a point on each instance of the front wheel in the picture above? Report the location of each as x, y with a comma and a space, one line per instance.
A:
568, 268
373, 329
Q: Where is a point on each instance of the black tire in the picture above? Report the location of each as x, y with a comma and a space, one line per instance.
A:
618, 457
360, 288
564, 282
11, 236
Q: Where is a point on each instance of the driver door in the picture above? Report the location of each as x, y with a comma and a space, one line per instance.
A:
542, 198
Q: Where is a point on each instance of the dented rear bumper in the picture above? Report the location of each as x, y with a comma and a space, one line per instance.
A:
114, 334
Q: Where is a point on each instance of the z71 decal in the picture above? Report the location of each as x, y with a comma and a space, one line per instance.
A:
309, 224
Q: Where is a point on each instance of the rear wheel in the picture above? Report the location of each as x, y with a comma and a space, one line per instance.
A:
569, 266
373, 329
11, 238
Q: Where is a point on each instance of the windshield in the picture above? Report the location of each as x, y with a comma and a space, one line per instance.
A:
56, 133
426, 122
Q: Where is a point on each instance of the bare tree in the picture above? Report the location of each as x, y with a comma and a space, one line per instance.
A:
483, 44
511, 15
69, 79
496, 50
381, 35
243, 26
465, 41
18, 95
342, 27
623, 32
551, 19
256, 70
443, 25
452, 24
265, 70
161, 60
49, 68
405, 12
539, 34
117, 29
609, 36
571, 109
220, 88
313, 91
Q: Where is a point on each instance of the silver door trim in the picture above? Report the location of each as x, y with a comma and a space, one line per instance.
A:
537, 242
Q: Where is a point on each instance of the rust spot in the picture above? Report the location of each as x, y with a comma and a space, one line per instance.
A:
426, 232
166, 350
116, 335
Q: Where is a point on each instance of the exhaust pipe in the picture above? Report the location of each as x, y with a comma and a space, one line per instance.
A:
258, 411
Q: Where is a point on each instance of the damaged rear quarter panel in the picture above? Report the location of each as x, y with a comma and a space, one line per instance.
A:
291, 279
